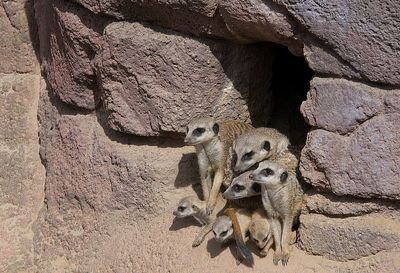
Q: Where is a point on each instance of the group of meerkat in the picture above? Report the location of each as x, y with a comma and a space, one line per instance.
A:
249, 184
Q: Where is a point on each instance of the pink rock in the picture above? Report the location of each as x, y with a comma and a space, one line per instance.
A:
157, 82
351, 238
364, 35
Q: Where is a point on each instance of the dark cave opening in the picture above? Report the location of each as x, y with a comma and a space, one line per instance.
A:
290, 84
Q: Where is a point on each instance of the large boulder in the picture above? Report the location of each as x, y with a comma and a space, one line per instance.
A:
363, 34
356, 151
156, 82
352, 238
70, 36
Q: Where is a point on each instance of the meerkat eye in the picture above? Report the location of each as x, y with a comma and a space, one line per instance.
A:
198, 131
247, 156
267, 172
215, 234
181, 208
223, 233
265, 239
238, 188
256, 187
187, 130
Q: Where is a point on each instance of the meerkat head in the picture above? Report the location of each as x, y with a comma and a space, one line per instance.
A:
260, 233
242, 186
222, 228
269, 173
256, 145
187, 206
201, 130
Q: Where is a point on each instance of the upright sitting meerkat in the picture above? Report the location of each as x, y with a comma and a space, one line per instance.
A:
193, 206
256, 145
212, 141
282, 198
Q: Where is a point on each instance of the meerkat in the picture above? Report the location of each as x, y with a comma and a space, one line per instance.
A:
191, 206
282, 198
256, 145
212, 141
223, 226
260, 232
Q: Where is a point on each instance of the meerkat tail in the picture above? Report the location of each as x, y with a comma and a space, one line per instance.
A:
243, 250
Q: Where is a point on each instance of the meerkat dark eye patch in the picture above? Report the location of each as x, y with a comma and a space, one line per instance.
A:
181, 208
247, 156
223, 233
267, 172
187, 130
194, 207
238, 188
265, 239
216, 128
198, 131
256, 187
215, 234
284, 176
267, 145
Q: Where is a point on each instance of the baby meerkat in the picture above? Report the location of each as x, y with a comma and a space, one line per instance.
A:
212, 141
193, 206
223, 227
282, 198
260, 232
256, 145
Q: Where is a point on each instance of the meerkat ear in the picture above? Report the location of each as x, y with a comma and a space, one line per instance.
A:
284, 176
216, 128
267, 145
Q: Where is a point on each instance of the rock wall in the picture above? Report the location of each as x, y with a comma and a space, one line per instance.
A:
124, 77
21, 171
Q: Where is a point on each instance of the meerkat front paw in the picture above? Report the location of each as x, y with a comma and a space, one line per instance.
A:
277, 257
209, 209
285, 258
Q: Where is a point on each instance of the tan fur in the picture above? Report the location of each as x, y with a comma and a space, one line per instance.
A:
224, 223
249, 148
282, 201
212, 152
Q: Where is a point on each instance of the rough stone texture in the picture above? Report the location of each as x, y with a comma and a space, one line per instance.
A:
193, 16
21, 172
257, 20
341, 206
18, 55
364, 163
91, 168
142, 77
349, 238
339, 105
70, 37
363, 34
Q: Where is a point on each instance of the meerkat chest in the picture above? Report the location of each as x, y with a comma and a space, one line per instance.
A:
275, 205
215, 154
